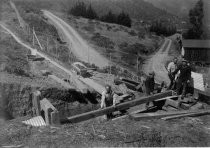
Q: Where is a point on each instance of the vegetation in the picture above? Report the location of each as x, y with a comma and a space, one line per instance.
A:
196, 15
80, 9
163, 27
12, 55
103, 41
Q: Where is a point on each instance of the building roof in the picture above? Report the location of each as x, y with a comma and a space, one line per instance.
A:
196, 43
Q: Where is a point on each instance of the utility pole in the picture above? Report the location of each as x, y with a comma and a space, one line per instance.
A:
33, 36
37, 39
47, 44
56, 49
88, 56
110, 68
137, 64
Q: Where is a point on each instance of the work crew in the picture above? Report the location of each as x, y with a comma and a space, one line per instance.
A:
149, 86
183, 79
108, 99
172, 66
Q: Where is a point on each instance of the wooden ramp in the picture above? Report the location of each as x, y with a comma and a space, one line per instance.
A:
35, 121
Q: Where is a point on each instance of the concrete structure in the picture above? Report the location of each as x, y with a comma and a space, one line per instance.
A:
43, 107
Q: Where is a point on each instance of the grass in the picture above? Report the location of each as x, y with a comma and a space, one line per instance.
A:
13, 57
121, 133
102, 41
104, 37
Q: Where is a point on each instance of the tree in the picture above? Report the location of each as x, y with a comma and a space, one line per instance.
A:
79, 9
124, 19
109, 17
163, 27
196, 19
91, 14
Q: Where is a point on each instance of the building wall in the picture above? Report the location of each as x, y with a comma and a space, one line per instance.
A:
197, 54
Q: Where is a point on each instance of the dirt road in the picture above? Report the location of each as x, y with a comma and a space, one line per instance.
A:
79, 47
21, 21
156, 63
79, 84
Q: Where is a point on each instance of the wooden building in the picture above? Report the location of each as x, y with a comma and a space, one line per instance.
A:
197, 50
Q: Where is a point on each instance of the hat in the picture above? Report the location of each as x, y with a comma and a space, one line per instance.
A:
152, 73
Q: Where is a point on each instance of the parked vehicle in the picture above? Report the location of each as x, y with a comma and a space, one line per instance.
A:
81, 69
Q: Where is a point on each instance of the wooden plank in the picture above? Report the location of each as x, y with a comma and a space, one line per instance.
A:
198, 81
142, 116
36, 102
100, 112
46, 104
205, 93
197, 113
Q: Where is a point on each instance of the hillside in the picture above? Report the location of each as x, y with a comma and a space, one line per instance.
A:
138, 9
176, 7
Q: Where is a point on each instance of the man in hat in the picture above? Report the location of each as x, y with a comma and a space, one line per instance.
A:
172, 66
184, 78
108, 99
149, 86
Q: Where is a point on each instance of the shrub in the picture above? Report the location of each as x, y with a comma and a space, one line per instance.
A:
102, 41
89, 28
132, 33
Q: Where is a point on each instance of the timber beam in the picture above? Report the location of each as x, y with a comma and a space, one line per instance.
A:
126, 105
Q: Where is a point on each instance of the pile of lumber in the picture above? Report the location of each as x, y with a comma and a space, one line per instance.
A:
174, 107
169, 115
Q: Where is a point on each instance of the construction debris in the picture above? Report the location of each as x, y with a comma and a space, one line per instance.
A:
197, 113
168, 115
126, 105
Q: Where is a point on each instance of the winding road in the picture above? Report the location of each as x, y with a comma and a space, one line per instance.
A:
156, 63
80, 48
79, 84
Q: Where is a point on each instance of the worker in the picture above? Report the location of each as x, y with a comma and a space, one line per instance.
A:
172, 66
108, 99
183, 79
149, 86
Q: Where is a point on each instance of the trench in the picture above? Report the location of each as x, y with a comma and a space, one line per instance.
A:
71, 102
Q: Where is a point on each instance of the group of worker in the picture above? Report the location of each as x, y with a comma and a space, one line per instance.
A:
179, 74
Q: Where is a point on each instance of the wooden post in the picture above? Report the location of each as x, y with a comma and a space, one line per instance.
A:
36, 102
137, 64
110, 68
33, 37
37, 39
88, 56
55, 120
47, 44
47, 113
56, 49
50, 112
